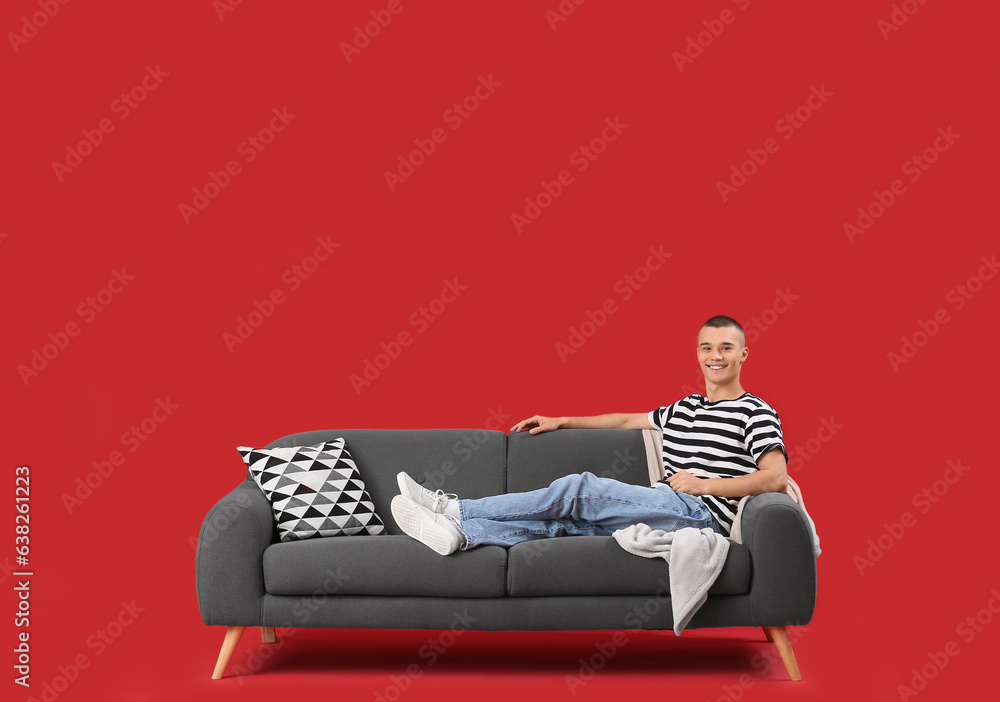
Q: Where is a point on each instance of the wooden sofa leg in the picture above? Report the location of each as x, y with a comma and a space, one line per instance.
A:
267, 634
768, 634
233, 636
779, 635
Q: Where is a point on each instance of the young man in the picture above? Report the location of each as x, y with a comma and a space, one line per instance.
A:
717, 448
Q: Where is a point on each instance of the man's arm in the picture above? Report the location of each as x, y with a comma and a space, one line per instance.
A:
772, 477
538, 423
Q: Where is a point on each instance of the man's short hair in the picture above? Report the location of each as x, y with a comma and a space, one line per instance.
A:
721, 321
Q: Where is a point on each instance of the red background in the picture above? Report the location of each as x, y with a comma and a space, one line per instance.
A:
823, 357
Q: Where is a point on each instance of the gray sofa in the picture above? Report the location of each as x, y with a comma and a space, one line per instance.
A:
246, 578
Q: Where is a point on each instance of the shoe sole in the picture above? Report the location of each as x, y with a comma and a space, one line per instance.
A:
415, 525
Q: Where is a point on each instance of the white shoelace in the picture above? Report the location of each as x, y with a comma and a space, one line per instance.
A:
439, 498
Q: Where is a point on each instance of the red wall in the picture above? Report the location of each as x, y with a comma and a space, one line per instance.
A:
143, 235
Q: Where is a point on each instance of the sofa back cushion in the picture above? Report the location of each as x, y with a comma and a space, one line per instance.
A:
535, 460
468, 462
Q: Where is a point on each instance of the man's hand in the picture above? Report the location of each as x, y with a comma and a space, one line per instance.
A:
682, 481
538, 423
772, 477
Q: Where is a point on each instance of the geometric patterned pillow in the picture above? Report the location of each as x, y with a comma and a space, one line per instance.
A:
313, 490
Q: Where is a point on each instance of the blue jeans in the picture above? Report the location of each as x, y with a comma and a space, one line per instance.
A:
578, 505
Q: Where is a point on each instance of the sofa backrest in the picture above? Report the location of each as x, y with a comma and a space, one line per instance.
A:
476, 463
535, 460
468, 462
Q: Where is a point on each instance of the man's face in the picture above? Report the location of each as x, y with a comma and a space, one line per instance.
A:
721, 352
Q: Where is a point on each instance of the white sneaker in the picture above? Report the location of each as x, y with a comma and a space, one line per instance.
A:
434, 501
433, 530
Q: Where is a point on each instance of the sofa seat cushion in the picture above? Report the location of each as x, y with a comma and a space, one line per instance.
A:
597, 565
386, 565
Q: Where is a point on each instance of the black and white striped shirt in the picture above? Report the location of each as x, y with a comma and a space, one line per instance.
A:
720, 439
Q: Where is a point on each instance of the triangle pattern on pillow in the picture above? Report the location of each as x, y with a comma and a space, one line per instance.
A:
314, 491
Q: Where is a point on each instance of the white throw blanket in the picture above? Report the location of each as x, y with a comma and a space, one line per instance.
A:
653, 441
695, 558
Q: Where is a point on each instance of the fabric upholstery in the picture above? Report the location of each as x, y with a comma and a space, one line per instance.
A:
388, 565
469, 462
230, 546
569, 613
238, 548
783, 584
535, 460
597, 565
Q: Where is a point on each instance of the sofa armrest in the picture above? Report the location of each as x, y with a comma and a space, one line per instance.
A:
229, 561
783, 581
